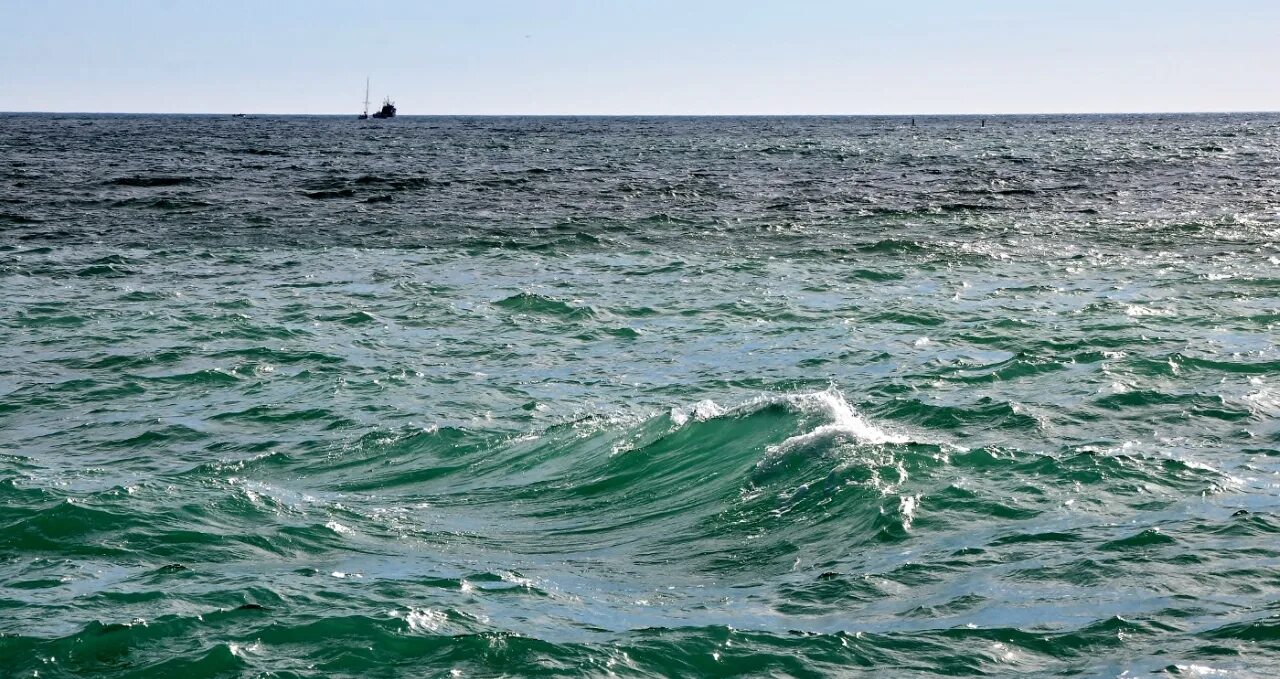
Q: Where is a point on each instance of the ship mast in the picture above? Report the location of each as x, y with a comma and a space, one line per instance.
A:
366, 96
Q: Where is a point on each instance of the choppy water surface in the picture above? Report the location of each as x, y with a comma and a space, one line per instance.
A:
306, 397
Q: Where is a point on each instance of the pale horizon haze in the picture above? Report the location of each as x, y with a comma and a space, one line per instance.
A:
660, 57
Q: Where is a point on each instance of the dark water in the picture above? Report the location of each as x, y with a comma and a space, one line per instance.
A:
309, 397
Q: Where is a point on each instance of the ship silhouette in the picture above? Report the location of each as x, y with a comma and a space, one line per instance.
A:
388, 109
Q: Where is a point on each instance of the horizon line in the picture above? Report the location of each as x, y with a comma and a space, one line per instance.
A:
662, 115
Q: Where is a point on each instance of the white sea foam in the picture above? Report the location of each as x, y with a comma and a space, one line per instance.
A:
699, 412
907, 505
338, 528
422, 619
1264, 402
1135, 311
508, 576
1206, 671
1116, 388
845, 421
245, 650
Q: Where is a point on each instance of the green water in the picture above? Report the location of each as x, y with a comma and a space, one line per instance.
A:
1034, 434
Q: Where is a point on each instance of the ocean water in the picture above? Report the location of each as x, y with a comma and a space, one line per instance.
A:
639, 397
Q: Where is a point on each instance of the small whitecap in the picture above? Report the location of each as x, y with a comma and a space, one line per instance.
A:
1204, 671
422, 619
1264, 401
245, 650
1134, 310
339, 528
698, 412
844, 421
508, 576
907, 505
1118, 388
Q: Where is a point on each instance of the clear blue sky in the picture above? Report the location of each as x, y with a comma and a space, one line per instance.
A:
641, 56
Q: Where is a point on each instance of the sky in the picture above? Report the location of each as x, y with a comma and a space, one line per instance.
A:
607, 57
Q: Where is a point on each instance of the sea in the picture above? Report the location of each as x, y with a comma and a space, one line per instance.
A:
290, 396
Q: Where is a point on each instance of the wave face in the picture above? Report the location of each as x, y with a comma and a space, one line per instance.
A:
639, 397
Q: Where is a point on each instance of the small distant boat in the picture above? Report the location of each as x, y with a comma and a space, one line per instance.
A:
237, 115
388, 109
365, 115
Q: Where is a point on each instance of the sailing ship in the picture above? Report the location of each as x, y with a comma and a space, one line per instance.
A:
388, 109
365, 115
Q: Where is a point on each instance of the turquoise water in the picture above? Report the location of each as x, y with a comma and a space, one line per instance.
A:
301, 397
